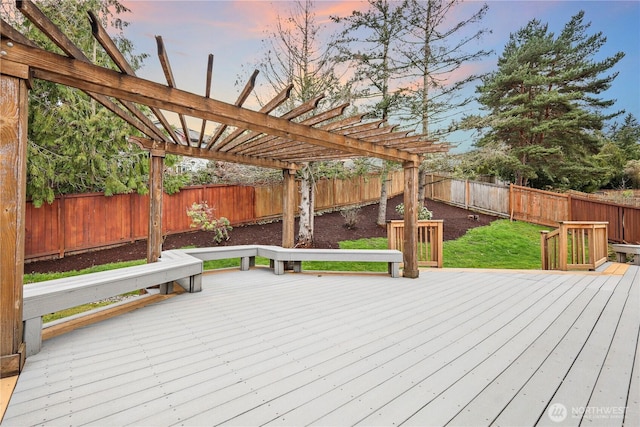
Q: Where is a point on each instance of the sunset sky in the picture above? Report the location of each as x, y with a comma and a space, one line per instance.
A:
232, 31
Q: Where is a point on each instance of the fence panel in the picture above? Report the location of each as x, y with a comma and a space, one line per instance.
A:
268, 201
438, 188
43, 230
624, 221
492, 198
92, 220
538, 206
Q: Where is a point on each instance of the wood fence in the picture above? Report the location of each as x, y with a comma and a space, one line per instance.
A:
537, 206
77, 223
82, 222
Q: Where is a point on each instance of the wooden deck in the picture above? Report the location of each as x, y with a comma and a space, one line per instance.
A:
453, 347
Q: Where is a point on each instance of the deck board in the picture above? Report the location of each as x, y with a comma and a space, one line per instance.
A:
461, 347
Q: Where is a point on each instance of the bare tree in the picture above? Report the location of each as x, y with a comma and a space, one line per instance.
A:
368, 42
434, 48
294, 54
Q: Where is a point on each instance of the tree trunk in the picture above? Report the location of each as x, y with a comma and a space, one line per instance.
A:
422, 187
382, 206
305, 230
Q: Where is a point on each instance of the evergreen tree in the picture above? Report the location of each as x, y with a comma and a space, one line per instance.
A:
75, 144
543, 104
620, 152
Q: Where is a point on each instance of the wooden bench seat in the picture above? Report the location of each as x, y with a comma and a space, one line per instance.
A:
279, 256
54, 295
623, 250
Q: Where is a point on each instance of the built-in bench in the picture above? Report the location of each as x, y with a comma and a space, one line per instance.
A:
280, 257
623, 250
54, 295
183, 266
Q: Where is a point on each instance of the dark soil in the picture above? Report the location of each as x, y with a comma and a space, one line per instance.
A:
329, 230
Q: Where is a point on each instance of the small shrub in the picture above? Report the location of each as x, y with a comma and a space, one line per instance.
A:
350, 216
202, 217
423, 213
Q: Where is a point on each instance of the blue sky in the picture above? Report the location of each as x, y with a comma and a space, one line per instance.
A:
232, 31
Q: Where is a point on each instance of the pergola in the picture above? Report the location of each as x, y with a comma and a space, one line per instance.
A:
252, 137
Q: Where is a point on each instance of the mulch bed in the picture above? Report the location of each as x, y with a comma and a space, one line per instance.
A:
329, 230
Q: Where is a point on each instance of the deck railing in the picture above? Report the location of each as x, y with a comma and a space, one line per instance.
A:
429, 240
576, 245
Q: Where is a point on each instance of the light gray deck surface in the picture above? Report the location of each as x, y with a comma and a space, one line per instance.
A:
452, 347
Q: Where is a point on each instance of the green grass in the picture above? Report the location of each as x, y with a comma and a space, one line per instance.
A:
230, 263
501, 244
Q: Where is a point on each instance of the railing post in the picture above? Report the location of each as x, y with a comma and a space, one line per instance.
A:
563, 247
544, 250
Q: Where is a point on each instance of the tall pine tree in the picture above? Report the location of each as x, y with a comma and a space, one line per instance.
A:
75, 144
543, 104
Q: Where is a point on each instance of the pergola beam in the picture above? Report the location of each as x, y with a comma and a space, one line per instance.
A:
266, 109
304, 108
259, 144
207, 95
45, 25
168, 74
183, 150
116, 56
248, 87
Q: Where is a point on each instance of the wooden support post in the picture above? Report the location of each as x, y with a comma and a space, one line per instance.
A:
288, 208
154, 241
13, 187
410, 247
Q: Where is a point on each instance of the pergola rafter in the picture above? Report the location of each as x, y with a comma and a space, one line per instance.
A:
255, 138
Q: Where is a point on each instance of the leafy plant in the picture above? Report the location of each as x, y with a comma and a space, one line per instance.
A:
423, 212
350, 216
203, 217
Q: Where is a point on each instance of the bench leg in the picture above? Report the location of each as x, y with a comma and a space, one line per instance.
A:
394, 269
191, 284
621, 257
278, 267
636, 259
196, 283
166, 288
33, 335
297, 266
245, 263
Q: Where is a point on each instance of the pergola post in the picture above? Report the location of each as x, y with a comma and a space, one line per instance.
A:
410, 253
13, 187
288, 208
154, 240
